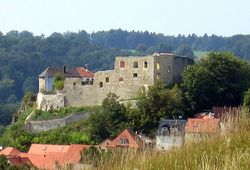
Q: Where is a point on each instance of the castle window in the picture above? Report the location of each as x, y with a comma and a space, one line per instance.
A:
158, 65
135, 64
101, 84
122, 64
120, 79
135, 75
74, 83
145, 64
158, 76
107, 79
169, 68
124, 141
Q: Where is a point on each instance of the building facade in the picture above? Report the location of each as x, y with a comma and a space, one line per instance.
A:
170, 134
129, 75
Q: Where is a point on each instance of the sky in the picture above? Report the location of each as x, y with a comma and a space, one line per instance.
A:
170, 17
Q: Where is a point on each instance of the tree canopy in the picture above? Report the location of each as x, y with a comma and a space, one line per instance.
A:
217, 80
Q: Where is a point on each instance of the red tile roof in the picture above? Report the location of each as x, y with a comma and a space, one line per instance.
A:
202, 125
127, 134
18, 160
73, 72
84, 72
15, 157
45, 156
10, 151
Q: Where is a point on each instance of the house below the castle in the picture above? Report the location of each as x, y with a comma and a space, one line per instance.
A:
170, 134
127, 139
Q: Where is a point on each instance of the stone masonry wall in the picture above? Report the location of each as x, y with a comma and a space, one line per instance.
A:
125, 80
42, 126
50, 101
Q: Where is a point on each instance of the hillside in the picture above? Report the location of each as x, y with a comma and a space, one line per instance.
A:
24, 56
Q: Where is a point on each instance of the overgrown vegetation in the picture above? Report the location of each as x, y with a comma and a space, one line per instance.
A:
58, 83
53, 114
227, 151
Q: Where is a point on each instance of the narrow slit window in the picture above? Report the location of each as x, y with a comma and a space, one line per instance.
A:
101, 84
169, 68
145, 64
107, 79
158, 76
158, 65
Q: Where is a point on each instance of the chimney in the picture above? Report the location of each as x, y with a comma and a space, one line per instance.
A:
86, 67
64, 69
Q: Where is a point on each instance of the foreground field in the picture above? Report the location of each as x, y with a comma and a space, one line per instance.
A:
228, 151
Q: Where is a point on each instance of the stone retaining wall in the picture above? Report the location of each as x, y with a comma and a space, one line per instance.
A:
45, 125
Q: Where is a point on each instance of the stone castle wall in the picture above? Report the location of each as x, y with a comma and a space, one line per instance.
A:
50, 101
129, 75
42, 126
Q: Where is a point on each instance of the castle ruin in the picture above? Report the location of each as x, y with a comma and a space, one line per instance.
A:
129, 75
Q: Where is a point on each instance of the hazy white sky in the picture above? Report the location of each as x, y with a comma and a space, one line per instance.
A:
171, 17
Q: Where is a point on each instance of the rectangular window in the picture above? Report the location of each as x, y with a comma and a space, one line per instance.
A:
101, 84
120, 79
122, 64
135, 64
158, 76
107, 79
145, 64
124, 141
135, 75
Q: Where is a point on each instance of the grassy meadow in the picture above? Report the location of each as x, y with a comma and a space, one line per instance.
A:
230, 150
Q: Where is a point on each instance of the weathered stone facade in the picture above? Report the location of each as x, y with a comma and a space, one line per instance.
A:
129, 75
50, 101
45, 125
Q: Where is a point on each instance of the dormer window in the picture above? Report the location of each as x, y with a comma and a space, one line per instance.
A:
124, 141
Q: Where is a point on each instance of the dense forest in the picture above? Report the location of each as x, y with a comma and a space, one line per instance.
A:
23, 56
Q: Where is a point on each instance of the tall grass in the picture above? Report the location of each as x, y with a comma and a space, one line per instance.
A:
230, 150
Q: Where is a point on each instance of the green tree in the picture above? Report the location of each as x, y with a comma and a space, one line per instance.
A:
218, 80
58, 82
158, 102
246, 101
115, 113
